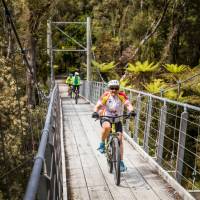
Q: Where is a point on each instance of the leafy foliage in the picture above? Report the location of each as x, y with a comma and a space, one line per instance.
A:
140, 67
117, 29
175, 69
104, 67
155, 86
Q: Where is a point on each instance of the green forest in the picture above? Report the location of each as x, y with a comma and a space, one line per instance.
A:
147, 45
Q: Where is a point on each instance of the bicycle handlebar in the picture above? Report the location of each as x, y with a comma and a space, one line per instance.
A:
114, 117
126, 115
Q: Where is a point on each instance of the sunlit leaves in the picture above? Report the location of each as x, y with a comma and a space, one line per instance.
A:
175, 69
140, 67
104, 67
155, 86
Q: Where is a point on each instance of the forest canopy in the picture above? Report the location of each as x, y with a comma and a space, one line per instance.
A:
148, 45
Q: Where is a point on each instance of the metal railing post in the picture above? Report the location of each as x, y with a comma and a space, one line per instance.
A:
181, 145
160, 140
147, 126
137, 118
88, 30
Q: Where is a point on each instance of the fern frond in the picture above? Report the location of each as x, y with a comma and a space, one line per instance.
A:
139, 67
155, 86
175, 69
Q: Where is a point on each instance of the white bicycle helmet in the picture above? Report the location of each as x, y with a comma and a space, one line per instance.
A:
76, 73
114, 83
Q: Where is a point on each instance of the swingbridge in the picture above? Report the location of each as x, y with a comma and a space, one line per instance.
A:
161, 164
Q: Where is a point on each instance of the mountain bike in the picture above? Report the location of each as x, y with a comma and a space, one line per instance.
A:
112, 148
76, 93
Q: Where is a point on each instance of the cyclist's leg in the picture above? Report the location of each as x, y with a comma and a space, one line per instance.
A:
77, 89
70, 90
106, 127
68, 87
73, 90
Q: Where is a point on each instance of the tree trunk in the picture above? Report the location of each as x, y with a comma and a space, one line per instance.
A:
31, 76
10, 42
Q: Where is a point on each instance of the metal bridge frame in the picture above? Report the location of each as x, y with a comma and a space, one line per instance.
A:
46, 180
51, 50
92, 90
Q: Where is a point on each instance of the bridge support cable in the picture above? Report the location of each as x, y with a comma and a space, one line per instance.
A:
177, 85
22, 51
171, 125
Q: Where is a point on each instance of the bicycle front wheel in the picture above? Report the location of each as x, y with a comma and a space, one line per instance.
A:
116, 160
109, 157
76, 98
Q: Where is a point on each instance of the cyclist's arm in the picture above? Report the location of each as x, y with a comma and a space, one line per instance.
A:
129, 107
97, 107
101, 102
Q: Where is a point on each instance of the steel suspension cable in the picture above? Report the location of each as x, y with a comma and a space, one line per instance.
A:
9, 19
178, 84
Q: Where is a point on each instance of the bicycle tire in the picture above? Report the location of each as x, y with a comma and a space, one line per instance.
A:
76, 98
109, 157
116, 160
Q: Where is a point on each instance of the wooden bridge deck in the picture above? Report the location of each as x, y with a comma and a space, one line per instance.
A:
86, 169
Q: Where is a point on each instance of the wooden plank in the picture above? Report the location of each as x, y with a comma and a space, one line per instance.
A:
79, 194
73, 162
99, 192
71, 150
159, 186
76, 178
94, 177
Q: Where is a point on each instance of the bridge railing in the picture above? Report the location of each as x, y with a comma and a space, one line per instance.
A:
167, 130
46, 178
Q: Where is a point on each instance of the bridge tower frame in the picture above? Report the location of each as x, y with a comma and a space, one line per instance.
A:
51, 50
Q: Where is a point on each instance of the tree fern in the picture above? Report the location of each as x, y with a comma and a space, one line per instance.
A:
155, 86
140, 67
104, 67
175, 69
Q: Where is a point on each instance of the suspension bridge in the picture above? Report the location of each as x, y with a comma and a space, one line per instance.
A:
161, 163
68, 165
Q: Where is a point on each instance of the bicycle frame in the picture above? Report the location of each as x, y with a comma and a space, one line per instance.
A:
76, 92
112, 148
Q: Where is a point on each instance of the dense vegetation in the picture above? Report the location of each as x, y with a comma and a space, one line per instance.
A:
151, 44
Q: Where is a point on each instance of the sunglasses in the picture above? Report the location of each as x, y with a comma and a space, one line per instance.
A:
114, 88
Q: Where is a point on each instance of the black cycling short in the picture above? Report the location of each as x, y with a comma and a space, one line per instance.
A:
118, 125
76, 87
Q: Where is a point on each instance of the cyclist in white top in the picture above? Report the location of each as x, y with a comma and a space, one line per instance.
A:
112, 103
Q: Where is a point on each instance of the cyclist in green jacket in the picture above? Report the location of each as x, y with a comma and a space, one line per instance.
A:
76, 81
69, 82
